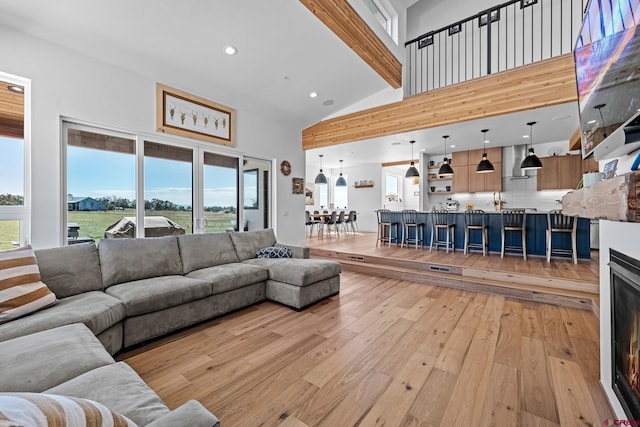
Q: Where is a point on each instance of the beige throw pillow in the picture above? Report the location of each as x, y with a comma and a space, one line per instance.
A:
52, 410
21, 291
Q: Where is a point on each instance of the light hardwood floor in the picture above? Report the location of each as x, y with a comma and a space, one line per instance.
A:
386, 352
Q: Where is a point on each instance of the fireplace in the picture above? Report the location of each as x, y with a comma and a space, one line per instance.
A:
625, 331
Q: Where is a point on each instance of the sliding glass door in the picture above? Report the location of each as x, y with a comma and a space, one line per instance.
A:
115, 179
220, 193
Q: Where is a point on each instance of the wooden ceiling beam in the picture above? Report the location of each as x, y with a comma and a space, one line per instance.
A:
575, 142
541, 84
344, 21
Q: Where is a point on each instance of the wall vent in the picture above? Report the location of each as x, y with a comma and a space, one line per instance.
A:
440, 268
356, 258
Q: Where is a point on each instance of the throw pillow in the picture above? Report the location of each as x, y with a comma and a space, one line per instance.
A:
274, 252
21, 291
42, 410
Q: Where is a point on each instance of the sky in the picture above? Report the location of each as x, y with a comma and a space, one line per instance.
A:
12, 166
98, 173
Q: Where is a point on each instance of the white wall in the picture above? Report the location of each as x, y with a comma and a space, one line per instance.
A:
65, 83
365, 201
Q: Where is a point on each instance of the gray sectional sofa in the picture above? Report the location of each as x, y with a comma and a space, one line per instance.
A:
128, 291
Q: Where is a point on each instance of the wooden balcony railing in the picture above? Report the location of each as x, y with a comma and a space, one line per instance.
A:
507, 36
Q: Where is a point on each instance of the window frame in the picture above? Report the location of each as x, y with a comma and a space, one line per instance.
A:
22, 213
199, 148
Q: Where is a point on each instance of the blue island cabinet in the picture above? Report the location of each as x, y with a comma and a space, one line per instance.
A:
536, 233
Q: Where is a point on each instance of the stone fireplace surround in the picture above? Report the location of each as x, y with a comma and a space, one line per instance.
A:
623, 237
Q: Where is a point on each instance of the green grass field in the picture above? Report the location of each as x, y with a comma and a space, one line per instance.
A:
94, 223
9, 233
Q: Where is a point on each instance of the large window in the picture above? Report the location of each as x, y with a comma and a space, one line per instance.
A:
340, 195
14, 161
168, 189
385, 15
101, 184
392, 187
115, 181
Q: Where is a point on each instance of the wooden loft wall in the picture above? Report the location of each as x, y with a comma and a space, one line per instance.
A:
541, 84
344, 21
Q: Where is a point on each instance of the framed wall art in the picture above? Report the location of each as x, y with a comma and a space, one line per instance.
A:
298, 185
183, 114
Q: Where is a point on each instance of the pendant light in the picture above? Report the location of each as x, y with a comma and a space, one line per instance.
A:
412, 171
341, 182
445, 169
485, 165
321, 178
531, 161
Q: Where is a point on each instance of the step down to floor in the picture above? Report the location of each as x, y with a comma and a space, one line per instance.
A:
563, 294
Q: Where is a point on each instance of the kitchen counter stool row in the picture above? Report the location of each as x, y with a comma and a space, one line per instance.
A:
512, 230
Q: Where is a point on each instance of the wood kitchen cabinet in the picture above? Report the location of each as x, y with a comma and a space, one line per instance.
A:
460, 178
559, 172
484, 182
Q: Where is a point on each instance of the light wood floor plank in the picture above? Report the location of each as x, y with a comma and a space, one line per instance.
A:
575, 406
474, 375
501, 406
536, 391
388, 352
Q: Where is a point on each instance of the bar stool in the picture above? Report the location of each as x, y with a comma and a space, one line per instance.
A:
385, 224
559, 223
475, 220
441, 221
514, 220
410, 220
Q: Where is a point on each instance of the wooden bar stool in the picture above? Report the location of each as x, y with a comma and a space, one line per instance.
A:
563, 224
410, 220
514, 220
441, 221
475, 220
385, 225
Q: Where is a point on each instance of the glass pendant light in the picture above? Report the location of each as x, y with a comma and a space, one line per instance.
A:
341, 182
412, 171
485, 165
531, 161
445, 169
321, 178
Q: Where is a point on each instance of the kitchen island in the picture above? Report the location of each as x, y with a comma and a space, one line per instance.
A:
536, 233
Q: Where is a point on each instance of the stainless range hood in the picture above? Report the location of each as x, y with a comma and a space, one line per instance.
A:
514, 156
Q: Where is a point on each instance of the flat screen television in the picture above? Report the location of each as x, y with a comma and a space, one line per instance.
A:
607, 57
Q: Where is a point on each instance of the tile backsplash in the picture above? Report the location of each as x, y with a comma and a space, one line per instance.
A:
517, 193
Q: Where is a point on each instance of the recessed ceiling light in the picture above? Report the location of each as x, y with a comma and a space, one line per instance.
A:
423, 150
486, 141
395, 143
230, 50
16, 89
328, 102
453, 145
313, 94
563, 117
525, 136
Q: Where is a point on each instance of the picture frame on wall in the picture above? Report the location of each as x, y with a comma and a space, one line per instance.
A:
183, 114
298, 185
